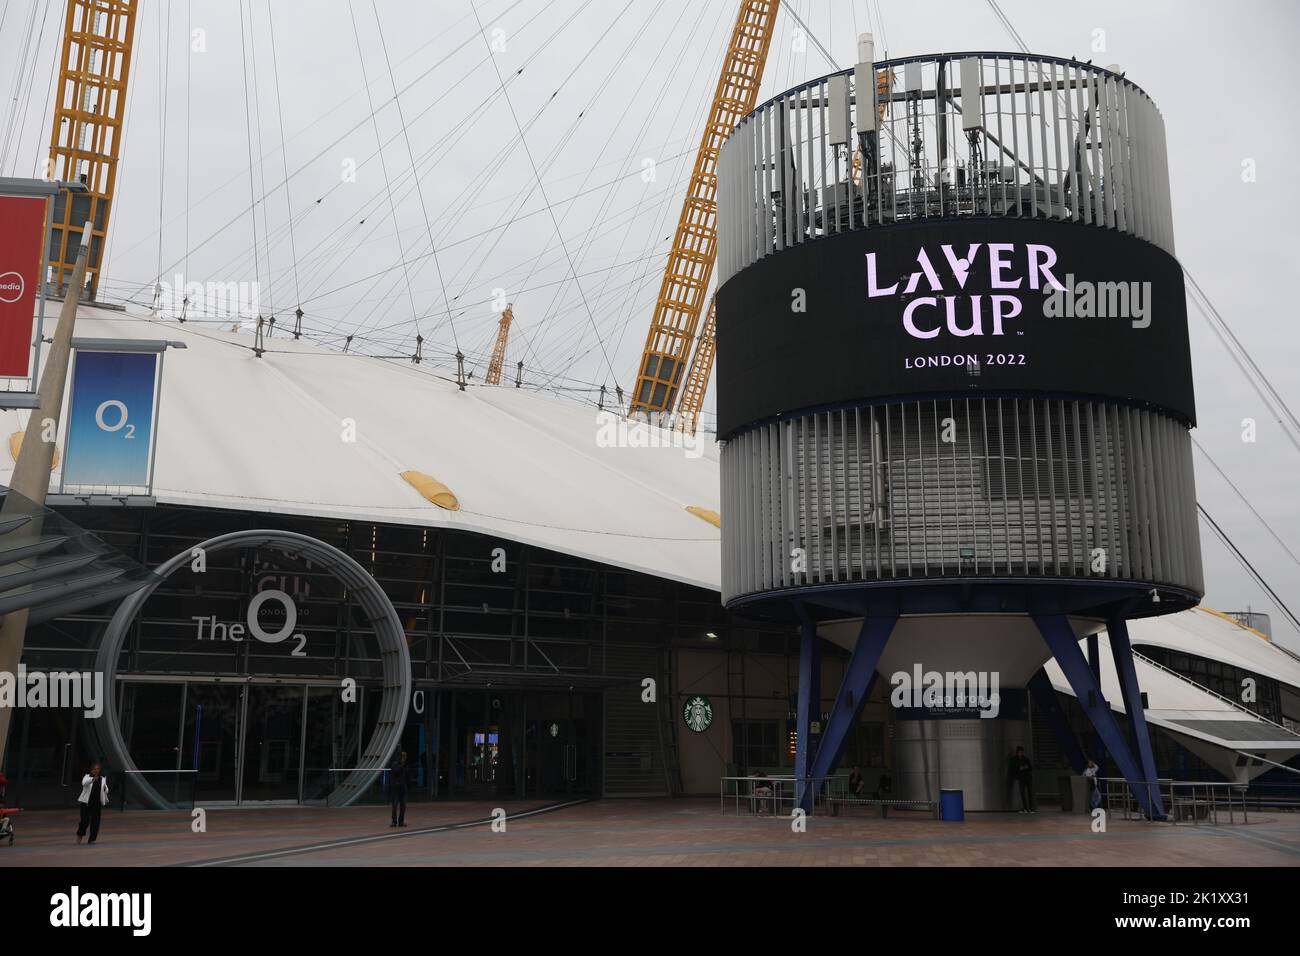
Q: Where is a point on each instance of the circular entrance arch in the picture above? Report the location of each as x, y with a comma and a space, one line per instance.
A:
394, 655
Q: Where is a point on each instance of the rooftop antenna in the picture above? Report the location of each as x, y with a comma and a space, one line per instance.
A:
297, 323
259, 343
418, 357
460, 369
519, 375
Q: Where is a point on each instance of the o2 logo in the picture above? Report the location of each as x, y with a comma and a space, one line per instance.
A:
210, 629
118, 410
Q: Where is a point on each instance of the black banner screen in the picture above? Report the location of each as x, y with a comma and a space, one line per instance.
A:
981, 305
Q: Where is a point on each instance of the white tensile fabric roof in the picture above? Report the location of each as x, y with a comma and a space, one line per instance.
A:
1214, 727
265, 434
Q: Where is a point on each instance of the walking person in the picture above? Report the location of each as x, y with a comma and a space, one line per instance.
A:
93, 799
1025, 780
398, 774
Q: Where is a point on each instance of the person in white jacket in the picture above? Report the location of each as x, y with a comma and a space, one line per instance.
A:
93, 799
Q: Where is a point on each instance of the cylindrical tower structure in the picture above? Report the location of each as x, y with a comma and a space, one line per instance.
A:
954, 378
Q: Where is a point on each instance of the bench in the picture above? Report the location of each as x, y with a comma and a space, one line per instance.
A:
884, 803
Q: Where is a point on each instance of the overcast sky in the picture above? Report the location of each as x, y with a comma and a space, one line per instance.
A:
608, 85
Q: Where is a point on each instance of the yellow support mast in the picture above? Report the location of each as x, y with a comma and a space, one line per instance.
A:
499, 349
697, 381
690, 264
86, 139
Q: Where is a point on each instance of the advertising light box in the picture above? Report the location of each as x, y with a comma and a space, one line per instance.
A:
960, 307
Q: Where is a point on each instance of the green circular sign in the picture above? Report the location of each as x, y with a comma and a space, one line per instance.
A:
698, 713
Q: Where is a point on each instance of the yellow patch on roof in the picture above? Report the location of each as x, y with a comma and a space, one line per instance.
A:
432, 490
712, 517
16, 445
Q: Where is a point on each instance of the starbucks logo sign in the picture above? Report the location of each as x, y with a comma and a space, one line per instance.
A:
698, 713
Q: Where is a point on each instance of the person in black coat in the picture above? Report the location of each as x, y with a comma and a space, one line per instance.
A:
1024, 771
856, 784
398, 778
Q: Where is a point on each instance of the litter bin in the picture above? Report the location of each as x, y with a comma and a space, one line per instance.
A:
1065, 789
951, 805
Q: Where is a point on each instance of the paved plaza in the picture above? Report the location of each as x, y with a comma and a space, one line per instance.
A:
682, 832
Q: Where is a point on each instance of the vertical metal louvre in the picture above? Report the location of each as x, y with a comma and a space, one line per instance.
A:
988, 487
1056, 139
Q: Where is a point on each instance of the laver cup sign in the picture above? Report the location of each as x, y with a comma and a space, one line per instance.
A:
111, 424
1004, 305
21, 238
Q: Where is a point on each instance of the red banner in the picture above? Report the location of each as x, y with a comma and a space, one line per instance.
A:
21, 237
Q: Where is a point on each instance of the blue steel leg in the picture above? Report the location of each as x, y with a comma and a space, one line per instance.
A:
1098, 748
1064, 645
1047, 704
810, 678
1122, 651
849, 701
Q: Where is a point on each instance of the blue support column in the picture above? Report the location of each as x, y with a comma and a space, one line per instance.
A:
1064, 645
1047, 704
810, 680
852, 695
1122, 650
1095, 745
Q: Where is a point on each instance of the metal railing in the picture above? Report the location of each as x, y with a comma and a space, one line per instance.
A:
1201, 687
1197, 801
949, 135
782, 792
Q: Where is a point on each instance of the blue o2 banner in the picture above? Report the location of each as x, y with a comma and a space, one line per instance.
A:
110, 428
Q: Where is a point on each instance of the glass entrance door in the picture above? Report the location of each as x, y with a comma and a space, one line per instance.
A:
210, 742
273, 727
559, 755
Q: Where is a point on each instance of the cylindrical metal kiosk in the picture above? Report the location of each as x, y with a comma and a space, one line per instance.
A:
954, 390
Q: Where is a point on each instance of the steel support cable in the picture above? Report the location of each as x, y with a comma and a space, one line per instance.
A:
462, 205
324, 150
164, 75
1244, 500
621, 318
21, 125
252, 192
660, 99
261, 167
383, 164
41, 157
410, 155
659, 197
1241, 558
471, 118
590, 237
1232, 345
526, 192
20, 67
556, 152
311, 126
1250, 569
514, 116
284, 156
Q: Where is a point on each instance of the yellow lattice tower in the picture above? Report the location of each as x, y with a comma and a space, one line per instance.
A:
697, 382
499, 350
86, 139
690, 264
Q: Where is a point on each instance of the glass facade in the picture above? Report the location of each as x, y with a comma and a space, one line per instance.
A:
512, 649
